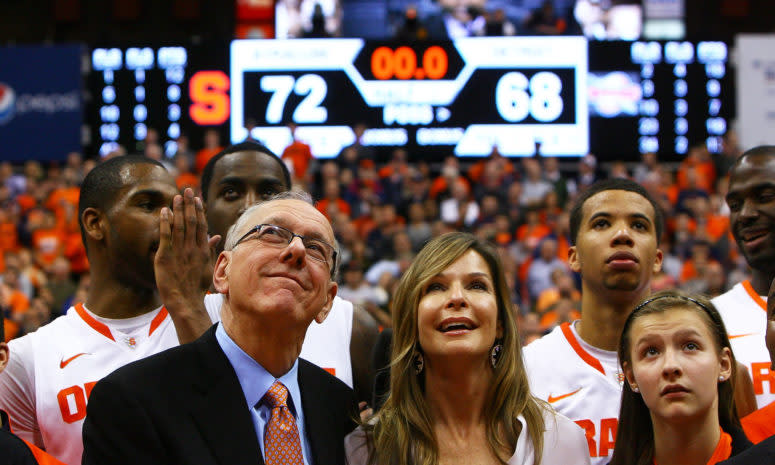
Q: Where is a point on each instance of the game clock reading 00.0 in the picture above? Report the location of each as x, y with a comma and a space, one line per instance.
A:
465, 96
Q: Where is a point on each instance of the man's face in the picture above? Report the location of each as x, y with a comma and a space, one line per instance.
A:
751, 200
240, 180
132, 235
271, 282
616, 246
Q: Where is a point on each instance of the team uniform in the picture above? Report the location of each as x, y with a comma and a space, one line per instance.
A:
582, 382
51, 372
745, 316
327, 344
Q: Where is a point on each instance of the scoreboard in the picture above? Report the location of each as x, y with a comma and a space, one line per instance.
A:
155, 78
464, 96
564, 96
172, 89
660, 97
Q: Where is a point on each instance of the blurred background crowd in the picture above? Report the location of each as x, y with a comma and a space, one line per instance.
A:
383, 211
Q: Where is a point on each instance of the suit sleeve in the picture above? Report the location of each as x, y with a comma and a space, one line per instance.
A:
118, 429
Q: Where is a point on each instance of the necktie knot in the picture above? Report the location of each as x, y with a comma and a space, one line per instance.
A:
277, 395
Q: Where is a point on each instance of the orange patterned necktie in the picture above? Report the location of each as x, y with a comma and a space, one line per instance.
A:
282, 445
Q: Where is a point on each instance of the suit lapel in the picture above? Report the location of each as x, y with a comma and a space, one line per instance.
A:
321, 433
218, 407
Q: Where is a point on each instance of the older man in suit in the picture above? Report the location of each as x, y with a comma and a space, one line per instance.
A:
239, 394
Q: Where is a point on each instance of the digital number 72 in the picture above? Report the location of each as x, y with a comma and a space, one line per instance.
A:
311, 86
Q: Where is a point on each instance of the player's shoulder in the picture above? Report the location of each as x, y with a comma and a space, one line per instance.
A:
213, 302
545, 346
737, 302
62, 328
735, 297
342, 306
324, 380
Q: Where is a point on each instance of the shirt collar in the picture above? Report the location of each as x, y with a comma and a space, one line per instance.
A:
253, 378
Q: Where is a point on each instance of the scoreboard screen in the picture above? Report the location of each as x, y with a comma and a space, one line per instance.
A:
172, 89
661, 97
462, 97
562, 96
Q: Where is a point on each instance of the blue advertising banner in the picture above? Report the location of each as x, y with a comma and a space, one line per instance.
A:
41, 108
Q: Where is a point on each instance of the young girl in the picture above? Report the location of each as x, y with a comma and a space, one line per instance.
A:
677, 400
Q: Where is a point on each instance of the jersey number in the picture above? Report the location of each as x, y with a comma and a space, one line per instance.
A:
760, 372
607, 436
72, 402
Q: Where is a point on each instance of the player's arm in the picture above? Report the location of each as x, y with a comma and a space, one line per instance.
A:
17, 391
364, 335
745, 398
184, 265
118, 430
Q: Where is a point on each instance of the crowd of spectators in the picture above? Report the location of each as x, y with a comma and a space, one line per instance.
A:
383, 212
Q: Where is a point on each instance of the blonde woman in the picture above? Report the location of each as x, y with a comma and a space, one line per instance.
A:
458, 389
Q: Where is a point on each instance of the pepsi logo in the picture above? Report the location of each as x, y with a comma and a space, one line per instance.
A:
7, 103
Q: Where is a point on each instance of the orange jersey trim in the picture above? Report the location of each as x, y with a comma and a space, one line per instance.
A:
96, 325
758, 425
158, 319
42, 457
105, 331
586, 356
754, 295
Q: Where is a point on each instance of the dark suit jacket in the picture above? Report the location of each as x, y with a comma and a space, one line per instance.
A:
760, 454
185, 406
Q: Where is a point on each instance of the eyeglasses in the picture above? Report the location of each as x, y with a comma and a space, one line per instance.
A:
277, 236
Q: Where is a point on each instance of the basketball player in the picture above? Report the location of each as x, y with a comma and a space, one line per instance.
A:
751, 201
126, 224
615, 230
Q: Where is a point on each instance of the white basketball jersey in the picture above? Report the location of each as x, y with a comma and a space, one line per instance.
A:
579, 381
327, 344
745, 316
52, 371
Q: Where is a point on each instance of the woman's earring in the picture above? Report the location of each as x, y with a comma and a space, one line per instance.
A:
495, 353
721, 379
418, 362
634, 388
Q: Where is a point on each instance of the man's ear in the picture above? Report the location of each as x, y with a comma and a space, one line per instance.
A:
658, 261
332, 288
573, 259
93, 223
3, 355
221, 272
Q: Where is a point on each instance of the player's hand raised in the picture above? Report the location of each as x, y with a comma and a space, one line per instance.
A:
184, 264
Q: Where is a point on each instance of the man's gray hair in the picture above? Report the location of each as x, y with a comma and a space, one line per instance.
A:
232, 234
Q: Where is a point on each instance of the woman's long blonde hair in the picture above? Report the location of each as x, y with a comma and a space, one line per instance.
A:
403, 433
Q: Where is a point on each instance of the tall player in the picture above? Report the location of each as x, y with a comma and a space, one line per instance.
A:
243, 175
615, 229
751, 200
126, 225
